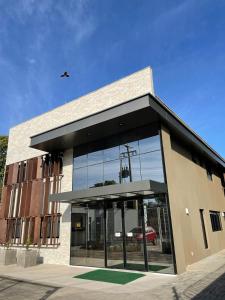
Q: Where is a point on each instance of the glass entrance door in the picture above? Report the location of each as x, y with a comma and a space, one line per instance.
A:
114, 235
134, 241
87, 235
125, 247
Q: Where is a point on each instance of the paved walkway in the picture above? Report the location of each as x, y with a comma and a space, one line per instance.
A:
203, 280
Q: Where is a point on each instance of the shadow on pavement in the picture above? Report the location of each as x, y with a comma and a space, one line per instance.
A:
13, 289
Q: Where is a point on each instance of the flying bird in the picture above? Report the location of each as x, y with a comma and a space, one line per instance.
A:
65, 74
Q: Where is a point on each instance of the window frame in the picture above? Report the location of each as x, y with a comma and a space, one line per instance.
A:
215, 218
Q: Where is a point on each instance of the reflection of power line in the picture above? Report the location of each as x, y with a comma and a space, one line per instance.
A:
124, 171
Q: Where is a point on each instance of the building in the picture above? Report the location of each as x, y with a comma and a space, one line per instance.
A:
114, 179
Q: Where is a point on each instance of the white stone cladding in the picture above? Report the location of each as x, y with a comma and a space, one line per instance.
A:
130, 87
61, 255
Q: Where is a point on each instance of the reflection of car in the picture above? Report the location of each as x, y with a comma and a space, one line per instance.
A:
150, 234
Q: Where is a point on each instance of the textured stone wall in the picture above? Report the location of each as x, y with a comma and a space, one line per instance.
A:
61, 255
130, 87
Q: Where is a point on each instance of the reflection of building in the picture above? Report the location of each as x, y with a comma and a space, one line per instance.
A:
161, 211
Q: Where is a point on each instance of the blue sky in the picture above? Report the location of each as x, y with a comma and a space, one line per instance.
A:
103, 40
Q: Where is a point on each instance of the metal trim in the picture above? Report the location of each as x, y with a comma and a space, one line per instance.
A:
110, 191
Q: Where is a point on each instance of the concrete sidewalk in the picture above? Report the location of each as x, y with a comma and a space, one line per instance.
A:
203, 280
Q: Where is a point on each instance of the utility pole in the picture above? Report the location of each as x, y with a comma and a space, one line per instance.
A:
128, 155
129, 162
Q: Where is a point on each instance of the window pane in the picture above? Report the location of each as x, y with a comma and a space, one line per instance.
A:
133, 146
95, 157
111, 153
151, 166
95, 175
149, 144
215, 220
80, 179
80, 161
135, 168
111, 172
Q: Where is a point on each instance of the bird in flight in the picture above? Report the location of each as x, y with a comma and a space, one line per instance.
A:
65, 74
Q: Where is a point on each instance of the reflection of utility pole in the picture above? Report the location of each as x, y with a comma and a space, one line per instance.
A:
127, 154
129, 162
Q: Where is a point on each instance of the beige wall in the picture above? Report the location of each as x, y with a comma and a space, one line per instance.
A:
189, 187
130, 87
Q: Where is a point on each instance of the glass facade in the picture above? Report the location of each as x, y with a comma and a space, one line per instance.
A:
124, 234
118, 160
128, 233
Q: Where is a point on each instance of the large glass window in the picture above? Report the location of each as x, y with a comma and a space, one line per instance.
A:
111, 172
151, 166
95, 175
124, 160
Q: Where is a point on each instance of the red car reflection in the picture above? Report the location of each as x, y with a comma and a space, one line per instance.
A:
150, 234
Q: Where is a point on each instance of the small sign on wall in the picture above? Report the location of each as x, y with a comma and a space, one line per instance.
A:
117, 234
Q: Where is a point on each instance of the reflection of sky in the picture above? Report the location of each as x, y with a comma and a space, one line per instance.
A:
104, 165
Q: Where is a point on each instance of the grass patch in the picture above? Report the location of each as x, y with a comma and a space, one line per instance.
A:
110, 276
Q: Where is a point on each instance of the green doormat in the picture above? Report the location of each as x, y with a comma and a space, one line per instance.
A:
140, 267
110, 276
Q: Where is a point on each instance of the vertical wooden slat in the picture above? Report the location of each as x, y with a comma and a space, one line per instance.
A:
23, 199
36, 195
34, 168
37, 230
28, 190
18, 200
6, 175
39, 168
25, 233
12, 201
10, 174
46, 194
6, 201
3, 230
15, 169
29, 172
3, 202
28, 199
44, 230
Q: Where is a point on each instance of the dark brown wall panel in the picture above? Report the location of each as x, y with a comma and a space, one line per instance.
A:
37, 226
36, 196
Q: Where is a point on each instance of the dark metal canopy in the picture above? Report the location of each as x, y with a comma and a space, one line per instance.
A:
112, 121
117, 192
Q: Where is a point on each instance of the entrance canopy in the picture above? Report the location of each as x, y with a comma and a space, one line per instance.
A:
117, 191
